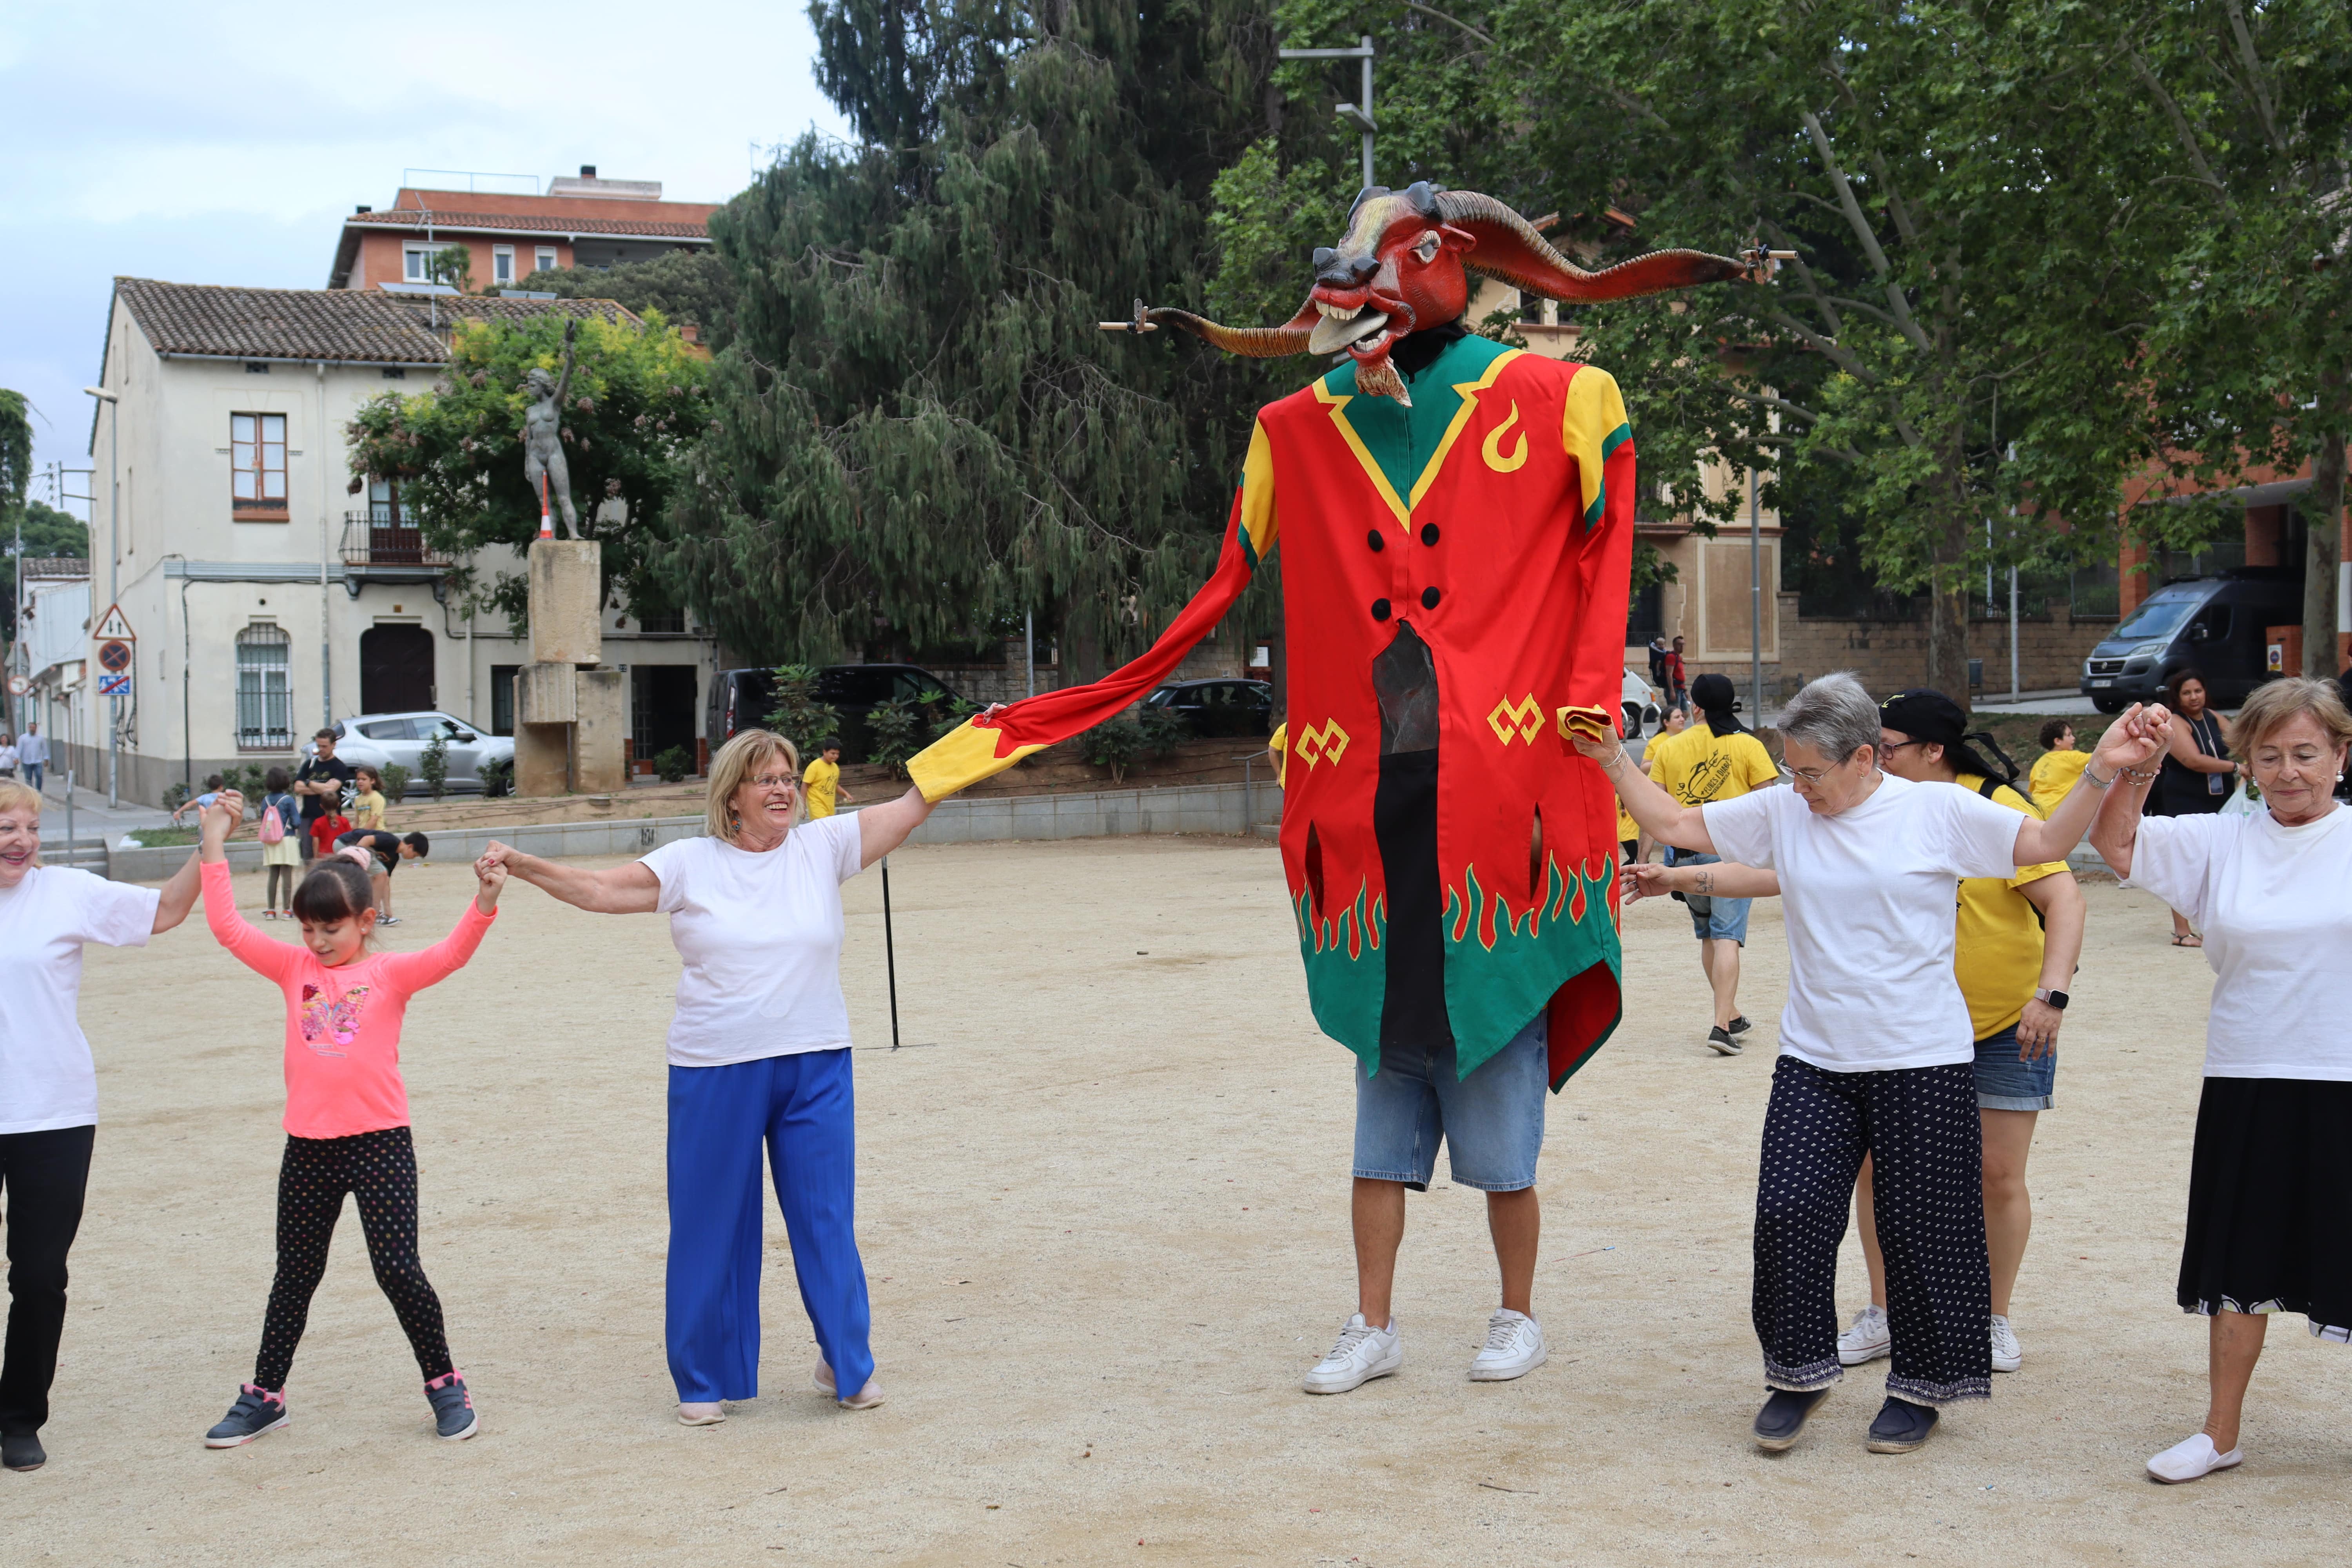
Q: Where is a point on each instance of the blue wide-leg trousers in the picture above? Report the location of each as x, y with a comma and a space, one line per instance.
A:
801, 1108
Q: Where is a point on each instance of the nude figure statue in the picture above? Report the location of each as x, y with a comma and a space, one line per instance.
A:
543, 435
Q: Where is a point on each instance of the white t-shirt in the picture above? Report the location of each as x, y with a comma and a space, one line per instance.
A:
46, 1078
2275, 906
760, 935
1868, 898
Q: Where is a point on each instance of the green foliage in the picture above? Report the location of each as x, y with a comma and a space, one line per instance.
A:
163, 837
672, 764
798, 716
684, 286
432, 764
452, 265
637, 401
1265, 219
47, 531
395, 783
900, 729
174, 795
15, 457
1163, 728
498, 776
1131, 738
922, 429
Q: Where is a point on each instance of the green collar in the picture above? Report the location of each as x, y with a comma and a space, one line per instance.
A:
1401, 448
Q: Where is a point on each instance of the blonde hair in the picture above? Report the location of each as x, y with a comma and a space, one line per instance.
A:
2276, 703
17, 796
731, 766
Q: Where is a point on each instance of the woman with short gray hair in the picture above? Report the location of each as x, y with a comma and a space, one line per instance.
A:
1877, 1051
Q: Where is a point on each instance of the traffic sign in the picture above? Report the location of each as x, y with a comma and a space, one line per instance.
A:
114, 656
112, 628
18, 685
114, 685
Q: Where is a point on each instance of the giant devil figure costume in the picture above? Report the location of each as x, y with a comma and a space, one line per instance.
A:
1454, 604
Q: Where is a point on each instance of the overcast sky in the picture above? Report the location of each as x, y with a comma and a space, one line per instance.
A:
223, 143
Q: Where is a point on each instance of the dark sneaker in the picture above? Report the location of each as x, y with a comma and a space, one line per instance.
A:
256, 1411
22, 1451
1901, 1427
452, 1407
1739, 1026
1783, 1417
1719, 1040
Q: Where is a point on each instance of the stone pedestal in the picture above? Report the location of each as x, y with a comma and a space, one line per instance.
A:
567, 594
571, 722
543, 759
598, 755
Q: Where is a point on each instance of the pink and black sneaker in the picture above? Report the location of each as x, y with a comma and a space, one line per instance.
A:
257, 1410
452, 1407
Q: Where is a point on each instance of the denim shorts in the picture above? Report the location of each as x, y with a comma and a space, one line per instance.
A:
1712, 918
2004, 1083
1492, 1123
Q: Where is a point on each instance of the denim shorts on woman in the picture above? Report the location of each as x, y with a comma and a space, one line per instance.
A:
2004, 1083
1492, 1123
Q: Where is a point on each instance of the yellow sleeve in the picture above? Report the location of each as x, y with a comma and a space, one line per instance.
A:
1761, 771
2005, 795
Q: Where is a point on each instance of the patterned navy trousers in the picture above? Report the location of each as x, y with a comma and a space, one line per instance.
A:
1919, 1126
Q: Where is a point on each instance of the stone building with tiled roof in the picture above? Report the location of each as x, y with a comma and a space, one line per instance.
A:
583, 222
267, 591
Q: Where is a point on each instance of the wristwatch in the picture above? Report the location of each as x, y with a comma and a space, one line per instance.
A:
2055, 998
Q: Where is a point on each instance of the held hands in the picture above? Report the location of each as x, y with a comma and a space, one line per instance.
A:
2136, 741
499, 857
1644, 880
220, 819
490, 872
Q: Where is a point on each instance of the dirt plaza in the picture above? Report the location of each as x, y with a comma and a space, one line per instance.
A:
1103, 1195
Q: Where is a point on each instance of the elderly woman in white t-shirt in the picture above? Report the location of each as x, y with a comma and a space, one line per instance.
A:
1876, 1050
2270, 1183
48, 1086
759, 1055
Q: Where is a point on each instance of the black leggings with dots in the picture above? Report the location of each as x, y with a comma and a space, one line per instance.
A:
379, 1169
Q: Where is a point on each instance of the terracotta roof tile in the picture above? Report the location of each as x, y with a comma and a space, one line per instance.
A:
410, 218
348, 325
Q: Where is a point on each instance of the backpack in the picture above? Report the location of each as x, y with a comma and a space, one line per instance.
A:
273, 828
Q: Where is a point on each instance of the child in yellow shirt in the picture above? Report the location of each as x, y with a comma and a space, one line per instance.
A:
2053, 776
821, 785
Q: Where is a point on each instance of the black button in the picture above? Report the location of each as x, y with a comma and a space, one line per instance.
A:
1379, 609
1374, 539
1429, 533
1429, 598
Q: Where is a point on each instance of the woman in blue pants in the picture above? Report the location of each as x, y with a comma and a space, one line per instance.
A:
759, 1059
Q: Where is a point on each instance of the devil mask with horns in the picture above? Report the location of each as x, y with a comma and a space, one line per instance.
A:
1457, 534
1403, 265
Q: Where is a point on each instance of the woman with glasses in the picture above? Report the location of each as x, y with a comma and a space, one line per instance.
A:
759, 1056
1877, 1051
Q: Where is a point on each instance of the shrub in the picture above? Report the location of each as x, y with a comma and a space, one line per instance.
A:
435, 764
674, 764
497, 777
1115, 744
173, 796
246, 781
900, 728
395, 783
798, 716
1162, 729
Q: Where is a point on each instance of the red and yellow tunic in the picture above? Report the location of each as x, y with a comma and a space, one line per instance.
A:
1493, 520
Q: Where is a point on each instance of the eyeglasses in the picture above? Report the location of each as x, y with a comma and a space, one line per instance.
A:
1814, 776
1886, 746
771, 780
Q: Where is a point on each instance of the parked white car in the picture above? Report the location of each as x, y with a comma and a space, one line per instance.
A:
1642, 709
378, 739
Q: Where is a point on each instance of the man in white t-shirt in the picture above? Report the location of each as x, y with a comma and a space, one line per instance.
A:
1877, 1051
33, 754
48, 1086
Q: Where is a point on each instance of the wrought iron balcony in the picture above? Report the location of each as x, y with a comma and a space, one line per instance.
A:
379, 538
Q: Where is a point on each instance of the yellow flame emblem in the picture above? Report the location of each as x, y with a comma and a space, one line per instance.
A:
1524, 718
1327, 744
1493, 448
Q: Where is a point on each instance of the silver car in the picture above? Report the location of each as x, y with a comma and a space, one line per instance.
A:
378, 739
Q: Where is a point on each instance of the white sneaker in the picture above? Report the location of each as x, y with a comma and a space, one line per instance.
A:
2192, 1459
698, 1414
1515, 1347
2006, 1355
1868, 1340
1363, 1353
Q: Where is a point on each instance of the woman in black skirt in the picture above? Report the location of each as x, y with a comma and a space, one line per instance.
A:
2270, 1183
2197, 769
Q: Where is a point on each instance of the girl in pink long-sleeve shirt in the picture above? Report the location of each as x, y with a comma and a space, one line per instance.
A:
346, 1113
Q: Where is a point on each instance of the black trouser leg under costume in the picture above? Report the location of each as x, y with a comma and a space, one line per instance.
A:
1919, 1126
43, 1175
379, 1169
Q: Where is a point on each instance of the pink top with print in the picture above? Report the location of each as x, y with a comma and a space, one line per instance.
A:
342, 1025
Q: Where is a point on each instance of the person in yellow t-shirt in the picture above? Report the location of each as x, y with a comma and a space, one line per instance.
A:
1715, 759
1279, 745
367, 806
821, 783
2053, 776
2015, 943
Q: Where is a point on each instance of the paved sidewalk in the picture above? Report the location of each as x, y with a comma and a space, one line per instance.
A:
91, 816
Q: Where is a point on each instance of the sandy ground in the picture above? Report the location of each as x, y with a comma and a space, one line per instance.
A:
1104, 1196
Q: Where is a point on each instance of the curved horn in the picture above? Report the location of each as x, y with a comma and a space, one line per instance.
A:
1511, 251
1251, 343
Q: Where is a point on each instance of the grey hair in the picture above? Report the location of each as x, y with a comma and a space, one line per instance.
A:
1834, 715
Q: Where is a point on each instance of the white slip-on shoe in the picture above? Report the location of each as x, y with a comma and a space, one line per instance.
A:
1363, 1353
866, 1398
1866, 1339
1513, 1348
2007, 1355
691, 1413
2192, 1459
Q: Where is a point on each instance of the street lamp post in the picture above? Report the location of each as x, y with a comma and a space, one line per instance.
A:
1358, 114
114, 574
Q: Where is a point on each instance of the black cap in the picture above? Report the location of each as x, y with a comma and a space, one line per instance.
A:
1713, 692
1924, 715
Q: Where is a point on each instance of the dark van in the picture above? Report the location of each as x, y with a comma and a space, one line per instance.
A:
2218, 626
743, 698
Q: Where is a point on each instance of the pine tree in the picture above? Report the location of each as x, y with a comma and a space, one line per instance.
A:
921, 431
